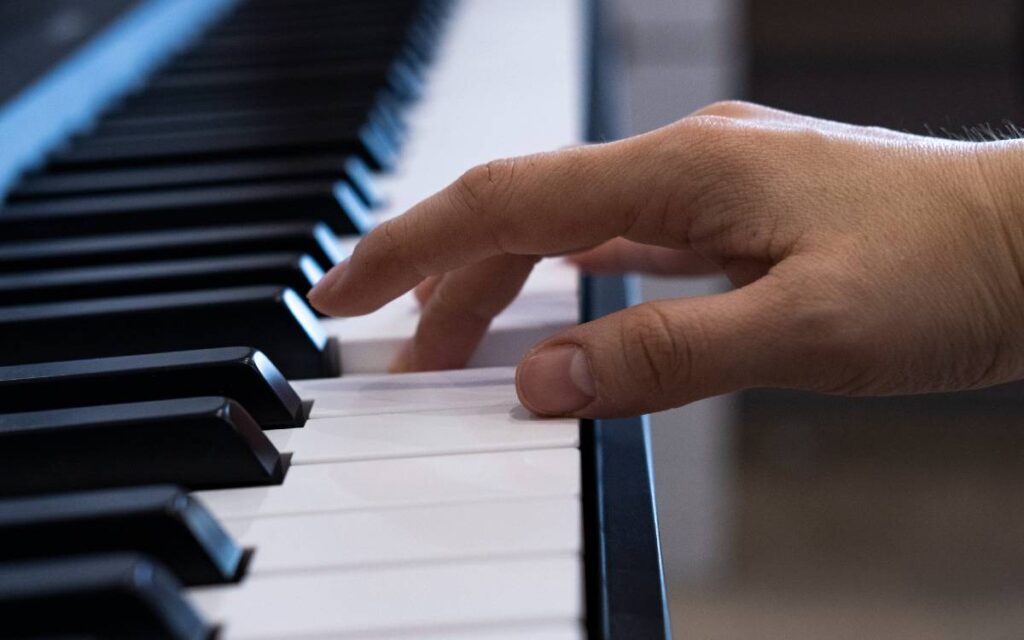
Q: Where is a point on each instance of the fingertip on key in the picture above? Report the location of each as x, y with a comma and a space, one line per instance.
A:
321, 296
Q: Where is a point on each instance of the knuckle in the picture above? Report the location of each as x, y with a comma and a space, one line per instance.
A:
654, 356
485, 192
483, 188
735, 109
470, 190
730, 164
728, 146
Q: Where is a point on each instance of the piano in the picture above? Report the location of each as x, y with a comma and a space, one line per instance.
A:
187, 449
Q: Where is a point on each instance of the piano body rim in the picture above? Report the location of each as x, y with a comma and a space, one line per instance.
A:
624, 575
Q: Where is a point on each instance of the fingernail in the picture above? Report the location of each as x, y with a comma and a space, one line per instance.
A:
330, 279
555, 381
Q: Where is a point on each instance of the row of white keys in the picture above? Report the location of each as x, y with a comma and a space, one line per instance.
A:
564, 630
431, 506
443, 540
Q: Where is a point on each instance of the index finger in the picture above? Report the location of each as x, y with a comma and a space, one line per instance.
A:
543, 204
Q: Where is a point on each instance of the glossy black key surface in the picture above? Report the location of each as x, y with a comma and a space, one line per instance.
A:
97, 596
313, 238
344, 100
272, 319
197, 443
193, 122
357, 71
187, 174
333, 203
243, 374
383, 116
296, 271
161, 521
298, 139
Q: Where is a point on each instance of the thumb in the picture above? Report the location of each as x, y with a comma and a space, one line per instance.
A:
657, 355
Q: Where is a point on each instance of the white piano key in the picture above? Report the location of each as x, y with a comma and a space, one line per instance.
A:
434, 413
404, 536
466, 430
563, 630
569, 629
392, 599
367, 394
399, 482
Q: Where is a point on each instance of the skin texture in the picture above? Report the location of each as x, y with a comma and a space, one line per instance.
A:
865, 261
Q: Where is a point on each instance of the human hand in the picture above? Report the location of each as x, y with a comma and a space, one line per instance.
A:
866, 261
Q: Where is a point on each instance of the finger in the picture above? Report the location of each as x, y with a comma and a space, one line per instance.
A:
459, 311
425, 289
621, 256
659, 355
544, 204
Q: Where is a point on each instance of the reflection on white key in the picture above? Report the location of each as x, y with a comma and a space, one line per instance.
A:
400, 482
570, 629
566, 630
410, 392
468, 430
436, 413
382, 600
404, 536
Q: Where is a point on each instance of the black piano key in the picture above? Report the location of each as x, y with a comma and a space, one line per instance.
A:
332, 202
312, 238
161, 521
366, 72
97, 596
294, 57
311, 38
347, 100
274, 320
198, 122
324, 71
345, 16
207, 135
187, 174
296, 271
243, 374
198, 443
302, 138
133, 117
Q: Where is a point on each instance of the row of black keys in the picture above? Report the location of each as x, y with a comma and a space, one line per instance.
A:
193, 215
92, 540
197, 288
232, 209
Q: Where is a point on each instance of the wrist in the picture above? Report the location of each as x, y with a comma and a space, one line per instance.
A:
1002, 171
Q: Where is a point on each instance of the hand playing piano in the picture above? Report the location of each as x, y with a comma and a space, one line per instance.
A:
865, 261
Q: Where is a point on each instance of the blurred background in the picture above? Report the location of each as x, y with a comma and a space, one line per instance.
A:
787, 515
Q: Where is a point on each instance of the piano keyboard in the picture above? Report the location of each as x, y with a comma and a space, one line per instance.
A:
190, 451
